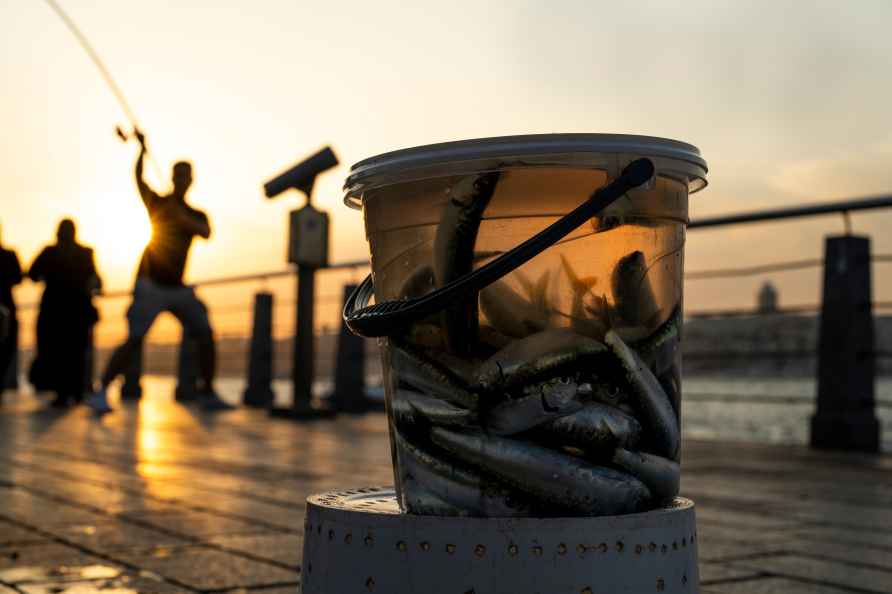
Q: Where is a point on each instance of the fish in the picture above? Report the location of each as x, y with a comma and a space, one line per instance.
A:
509, 313
462, 488
595, 428
661, 347
426, 376
453, 252
536, 357
648, 398
540, 403
671, 382
585, 319
417, 500
425, 334
490, 337
661, 475
403, 414
436, 411
636, 304
419, 283
607, 392
551, 477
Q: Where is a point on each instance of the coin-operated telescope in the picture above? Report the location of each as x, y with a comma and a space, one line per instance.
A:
308, 227
308, 248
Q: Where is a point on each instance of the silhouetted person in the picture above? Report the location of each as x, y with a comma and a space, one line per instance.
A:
10, 276
66, 315
159, 283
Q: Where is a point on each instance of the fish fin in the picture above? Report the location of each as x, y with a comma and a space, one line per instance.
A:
526, 283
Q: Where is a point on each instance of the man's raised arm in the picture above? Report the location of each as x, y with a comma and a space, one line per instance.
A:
147, 193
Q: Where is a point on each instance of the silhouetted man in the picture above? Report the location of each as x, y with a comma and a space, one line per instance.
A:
159, 283
68, 272
10, 275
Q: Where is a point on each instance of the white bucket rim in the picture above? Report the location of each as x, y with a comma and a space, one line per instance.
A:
676, 158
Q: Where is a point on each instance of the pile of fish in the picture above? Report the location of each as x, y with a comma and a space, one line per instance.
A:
556, 423
521, 418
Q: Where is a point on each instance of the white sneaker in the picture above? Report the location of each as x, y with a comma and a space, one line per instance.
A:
98, 401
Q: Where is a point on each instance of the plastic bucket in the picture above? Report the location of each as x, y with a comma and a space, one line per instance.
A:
556, 390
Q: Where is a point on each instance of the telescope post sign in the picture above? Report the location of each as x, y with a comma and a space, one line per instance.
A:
308, 237
308, 249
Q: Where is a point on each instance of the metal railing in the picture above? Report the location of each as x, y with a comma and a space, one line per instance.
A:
234, 337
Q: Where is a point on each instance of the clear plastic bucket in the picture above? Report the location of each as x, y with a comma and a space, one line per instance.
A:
556, 390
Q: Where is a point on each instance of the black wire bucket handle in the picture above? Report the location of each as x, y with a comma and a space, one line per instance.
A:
390, 317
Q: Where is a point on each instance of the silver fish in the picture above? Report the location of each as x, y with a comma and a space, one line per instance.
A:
454, 252
489, 336
660, 348
403, 414
608, 392
662, 476
462, 488
417, 500
648, 398
535, 357
419, 283
438, 412
632, 292
671, 382
509, 313
588, 319
425, 334
549, 476
540, 403
425, 375
596, 428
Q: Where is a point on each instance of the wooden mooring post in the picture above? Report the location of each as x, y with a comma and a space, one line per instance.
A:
349, 377
845, 417
259, 391
303, 354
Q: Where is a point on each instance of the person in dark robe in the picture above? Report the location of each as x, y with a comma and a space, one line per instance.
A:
66, 316
10, 276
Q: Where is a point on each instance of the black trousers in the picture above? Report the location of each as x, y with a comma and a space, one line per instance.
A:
8, 350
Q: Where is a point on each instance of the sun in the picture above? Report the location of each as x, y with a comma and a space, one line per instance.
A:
118, 231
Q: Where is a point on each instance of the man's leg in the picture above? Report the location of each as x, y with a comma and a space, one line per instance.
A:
119, 360
145, 307
207, 360
193, 315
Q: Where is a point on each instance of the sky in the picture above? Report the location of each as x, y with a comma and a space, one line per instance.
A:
788, 102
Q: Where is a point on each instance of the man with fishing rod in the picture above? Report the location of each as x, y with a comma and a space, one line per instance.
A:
159, 282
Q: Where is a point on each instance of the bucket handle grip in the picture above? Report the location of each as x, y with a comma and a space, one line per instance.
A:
389, 317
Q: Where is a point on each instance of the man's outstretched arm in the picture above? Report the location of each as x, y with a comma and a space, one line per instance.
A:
146, 192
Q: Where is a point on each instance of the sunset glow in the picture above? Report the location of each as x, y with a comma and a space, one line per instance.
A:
783, 114
119, 230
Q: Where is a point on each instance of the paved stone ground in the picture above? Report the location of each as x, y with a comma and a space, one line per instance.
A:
161, 498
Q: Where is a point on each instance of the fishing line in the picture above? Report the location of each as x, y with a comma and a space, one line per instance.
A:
106, 75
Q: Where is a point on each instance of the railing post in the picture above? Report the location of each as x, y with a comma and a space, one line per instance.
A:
259, 392
349, 378
131, 389
187, 370
302, 357
845, 418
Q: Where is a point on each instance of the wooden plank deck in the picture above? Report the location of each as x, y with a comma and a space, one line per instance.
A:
159, 497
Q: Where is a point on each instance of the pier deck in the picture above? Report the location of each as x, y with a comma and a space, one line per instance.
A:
159, 497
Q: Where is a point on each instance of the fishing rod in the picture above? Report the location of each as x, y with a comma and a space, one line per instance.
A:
109, 80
